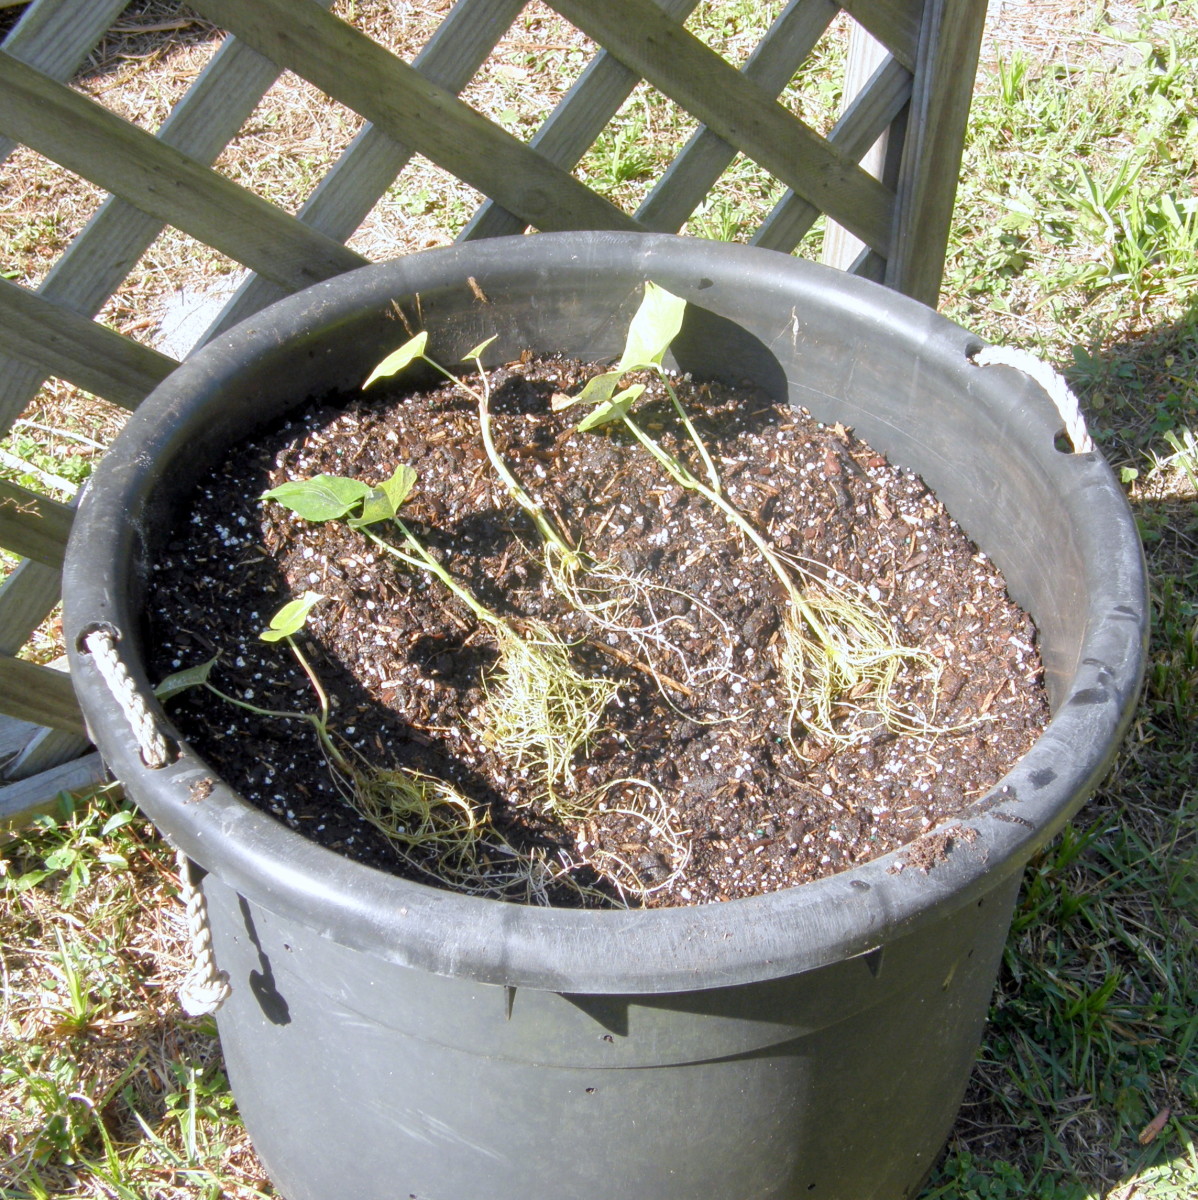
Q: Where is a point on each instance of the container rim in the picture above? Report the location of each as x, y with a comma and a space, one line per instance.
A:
623, 951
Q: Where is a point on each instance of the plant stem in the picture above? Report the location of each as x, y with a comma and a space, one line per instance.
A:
684, 478
318, 723
545, 527
422, 560
313, 680
712, 474
549, 533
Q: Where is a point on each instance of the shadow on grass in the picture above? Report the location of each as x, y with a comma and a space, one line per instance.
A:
144, 31
1087, 1080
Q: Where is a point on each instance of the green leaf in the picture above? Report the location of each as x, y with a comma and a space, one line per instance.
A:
614, 409
291, 617
78, 876
376, 507
598, 390
321, 498
398, 359
61, 860
476, 353
181, 681
654, 327
118, 820
383, 502
31, 879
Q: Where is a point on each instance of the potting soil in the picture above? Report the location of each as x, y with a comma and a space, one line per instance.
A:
702, 781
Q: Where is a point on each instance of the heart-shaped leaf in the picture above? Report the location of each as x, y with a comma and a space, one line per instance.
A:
654, 327
321, 498
398, 359
477, 352
181, 681
611, 410
598, 390
291, 618
383, 502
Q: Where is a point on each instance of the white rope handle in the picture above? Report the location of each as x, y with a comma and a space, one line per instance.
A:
1056, 387
205, 988
155, 750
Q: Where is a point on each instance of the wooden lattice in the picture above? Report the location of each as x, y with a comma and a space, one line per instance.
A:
917, 99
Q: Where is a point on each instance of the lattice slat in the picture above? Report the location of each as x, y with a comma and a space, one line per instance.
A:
574, 124
60, 342
18, 801
38, 694
393, 95
869, 115
897, 24
46, 749
56, 38
918, 96
33, 525
26, 599
706, 156
368, 166
163, 182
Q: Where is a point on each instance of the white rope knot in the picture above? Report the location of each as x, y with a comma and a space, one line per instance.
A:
155, 750
1058, 390
204, 989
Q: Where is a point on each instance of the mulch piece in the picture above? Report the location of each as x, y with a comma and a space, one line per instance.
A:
755, 805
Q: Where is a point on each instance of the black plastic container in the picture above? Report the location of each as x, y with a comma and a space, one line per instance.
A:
386, 1039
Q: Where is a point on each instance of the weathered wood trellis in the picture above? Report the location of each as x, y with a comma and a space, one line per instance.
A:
918, 97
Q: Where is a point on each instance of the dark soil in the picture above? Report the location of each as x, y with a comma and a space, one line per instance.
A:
753, 804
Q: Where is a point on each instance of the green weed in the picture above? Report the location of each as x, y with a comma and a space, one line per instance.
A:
87, 960
835, 645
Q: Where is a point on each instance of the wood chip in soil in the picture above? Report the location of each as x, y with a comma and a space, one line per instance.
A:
701, 786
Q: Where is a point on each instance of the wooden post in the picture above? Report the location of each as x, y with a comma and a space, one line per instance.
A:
927, 187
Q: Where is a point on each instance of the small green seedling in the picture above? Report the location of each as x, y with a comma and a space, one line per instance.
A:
558, 548
836, 648
287, 622
540, 709
428, 824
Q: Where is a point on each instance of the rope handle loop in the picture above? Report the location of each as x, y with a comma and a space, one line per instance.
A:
205, 988
102, 646
1058, 390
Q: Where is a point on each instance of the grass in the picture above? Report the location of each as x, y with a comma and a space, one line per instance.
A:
105, 1090
1075, 236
